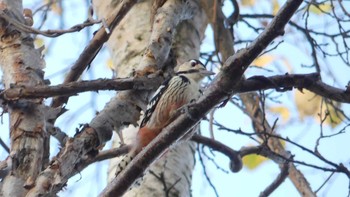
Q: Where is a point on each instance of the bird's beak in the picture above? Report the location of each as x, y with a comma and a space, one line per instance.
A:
206, 72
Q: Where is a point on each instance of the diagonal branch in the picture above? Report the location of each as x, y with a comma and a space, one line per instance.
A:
224, 85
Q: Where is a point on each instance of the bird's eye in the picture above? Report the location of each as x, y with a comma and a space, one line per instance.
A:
193, 63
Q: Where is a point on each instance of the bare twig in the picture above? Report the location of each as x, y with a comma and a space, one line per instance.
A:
47, 33
3, 144
234, 17
343, 8
324, 183
206, 174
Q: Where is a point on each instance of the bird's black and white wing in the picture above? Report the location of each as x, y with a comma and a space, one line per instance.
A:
154, 101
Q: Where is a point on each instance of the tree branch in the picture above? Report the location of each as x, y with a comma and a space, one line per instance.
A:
279, 82
286, 82
236, 160
72, 88
103, 155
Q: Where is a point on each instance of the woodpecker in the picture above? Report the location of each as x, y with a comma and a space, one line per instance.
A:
174, 93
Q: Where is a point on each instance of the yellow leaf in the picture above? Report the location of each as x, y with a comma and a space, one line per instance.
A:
248, 2
283, 143
109, 64
282, 111
320, 9
263, 60
253, 161
308, 103
39, 42
275, 7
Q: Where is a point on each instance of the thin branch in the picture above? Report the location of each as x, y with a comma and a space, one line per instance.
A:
324, 183
212, 158
278, 181
206, 174
235, 158
3, 144
234, 17
103, 155
265, 151
48, 33
343, 8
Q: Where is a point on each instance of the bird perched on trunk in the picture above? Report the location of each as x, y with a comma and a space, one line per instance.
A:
173, 94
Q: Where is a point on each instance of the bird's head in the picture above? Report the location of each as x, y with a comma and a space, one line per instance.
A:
194, 69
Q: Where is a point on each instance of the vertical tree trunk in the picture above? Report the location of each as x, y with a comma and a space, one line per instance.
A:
22, 65
171, 174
